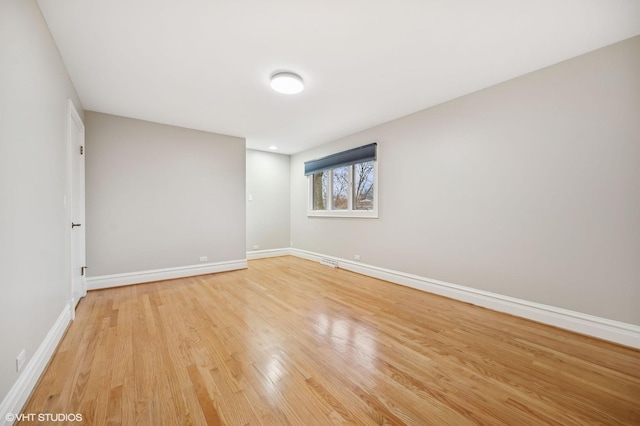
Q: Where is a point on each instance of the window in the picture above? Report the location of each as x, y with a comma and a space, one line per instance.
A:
344, 184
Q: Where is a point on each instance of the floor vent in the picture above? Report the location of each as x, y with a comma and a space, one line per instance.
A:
329, 262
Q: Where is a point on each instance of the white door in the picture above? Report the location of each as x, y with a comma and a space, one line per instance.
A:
77, 225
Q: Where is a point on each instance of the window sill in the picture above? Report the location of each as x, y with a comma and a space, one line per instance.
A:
365, 214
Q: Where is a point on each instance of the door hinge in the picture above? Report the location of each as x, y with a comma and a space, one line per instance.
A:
84, 268
81, 150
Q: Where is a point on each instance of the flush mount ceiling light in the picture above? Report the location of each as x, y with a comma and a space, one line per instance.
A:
287, 82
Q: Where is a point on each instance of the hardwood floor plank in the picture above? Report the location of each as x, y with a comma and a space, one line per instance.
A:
291, 342
205, 401
114, 407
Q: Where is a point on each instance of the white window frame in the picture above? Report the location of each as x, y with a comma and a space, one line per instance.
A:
350, 212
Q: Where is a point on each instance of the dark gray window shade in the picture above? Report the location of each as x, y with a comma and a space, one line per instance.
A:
344, 158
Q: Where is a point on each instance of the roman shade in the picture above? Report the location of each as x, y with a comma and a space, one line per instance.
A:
344, 158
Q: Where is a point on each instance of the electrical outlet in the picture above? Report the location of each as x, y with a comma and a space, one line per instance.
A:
22, 356
203, 258
256, 247
356, 257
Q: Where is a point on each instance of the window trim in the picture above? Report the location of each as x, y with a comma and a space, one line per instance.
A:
330, 212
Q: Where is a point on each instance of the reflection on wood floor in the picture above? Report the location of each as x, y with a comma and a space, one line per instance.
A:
289, 341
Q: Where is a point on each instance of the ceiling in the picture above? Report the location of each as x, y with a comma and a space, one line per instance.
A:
205, 64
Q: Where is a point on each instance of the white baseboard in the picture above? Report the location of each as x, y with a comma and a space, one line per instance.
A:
261, 254
20, 391
118, 280
602, 328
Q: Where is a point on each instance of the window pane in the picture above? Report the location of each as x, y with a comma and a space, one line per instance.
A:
340, 188
320, 190
363, 186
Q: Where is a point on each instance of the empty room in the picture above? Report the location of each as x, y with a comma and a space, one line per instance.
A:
222, 212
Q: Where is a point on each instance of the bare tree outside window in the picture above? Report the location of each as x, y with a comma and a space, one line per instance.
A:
320, 190
340, 189
363, 186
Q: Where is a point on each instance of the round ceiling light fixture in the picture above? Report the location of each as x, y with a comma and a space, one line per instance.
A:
287, 82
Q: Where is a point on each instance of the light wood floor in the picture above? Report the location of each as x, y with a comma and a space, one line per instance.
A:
289, 341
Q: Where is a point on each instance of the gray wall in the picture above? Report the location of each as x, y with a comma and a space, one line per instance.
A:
268, 213
161, 196
34, 224
530, 189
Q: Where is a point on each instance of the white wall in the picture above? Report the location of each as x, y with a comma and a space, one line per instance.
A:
528, 189
34, 224
269, 211
161, 196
